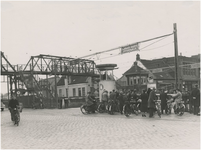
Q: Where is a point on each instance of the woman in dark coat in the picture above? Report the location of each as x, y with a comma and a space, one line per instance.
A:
148, 91
163, 98
151, 103
144, 97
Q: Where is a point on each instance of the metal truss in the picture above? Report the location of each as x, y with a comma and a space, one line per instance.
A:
21, 75
6, 68
56, 65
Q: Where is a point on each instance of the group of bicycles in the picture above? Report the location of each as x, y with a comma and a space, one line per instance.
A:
130, 107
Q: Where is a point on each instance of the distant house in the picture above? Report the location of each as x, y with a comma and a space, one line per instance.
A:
160, 73
48, 84
76, 86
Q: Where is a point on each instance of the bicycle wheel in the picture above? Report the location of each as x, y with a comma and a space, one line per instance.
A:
83, 109
126, 111
111, 109
159, 113
100, 108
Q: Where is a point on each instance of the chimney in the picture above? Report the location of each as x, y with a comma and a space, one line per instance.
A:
137, 57
135, 66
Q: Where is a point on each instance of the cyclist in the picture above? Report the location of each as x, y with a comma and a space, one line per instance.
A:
90, 101
13, 104
121, 102
178, 99
105, 99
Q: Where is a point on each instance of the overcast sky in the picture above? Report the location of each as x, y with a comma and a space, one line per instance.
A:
81, 28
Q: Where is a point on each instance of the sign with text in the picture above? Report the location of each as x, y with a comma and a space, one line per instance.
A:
129, 48
157, 70
197, 65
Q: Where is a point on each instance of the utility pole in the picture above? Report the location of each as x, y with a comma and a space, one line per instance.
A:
176, 56
55, 75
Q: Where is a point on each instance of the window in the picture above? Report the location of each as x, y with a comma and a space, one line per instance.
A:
83, 91
74, 92
66, 92
134, 81
60, 92
79, 92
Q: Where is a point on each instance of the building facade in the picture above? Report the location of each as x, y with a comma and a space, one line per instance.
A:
160, 73
76, 86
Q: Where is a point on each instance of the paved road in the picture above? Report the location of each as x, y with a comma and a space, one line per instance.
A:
69, 129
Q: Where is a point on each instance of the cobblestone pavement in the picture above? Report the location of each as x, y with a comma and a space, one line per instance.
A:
69, 129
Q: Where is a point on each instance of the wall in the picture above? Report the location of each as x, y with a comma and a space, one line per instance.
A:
76, 86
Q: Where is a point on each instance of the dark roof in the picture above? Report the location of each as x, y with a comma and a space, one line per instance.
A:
159, 63
134, 70
156, 63
61, 81
78, 79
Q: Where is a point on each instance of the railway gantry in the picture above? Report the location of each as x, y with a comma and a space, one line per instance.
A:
24, 78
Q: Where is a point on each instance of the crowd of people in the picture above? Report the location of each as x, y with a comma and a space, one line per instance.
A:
147, 99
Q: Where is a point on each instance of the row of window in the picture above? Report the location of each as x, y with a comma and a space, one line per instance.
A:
81, 91
62, 94
135, 80
187, 70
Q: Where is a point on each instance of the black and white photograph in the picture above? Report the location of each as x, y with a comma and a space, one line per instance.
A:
100, 74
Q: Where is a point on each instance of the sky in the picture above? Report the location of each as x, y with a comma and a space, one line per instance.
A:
76, 29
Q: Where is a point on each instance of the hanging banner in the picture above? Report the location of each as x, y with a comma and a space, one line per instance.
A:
197, 65
156, 70
129, 48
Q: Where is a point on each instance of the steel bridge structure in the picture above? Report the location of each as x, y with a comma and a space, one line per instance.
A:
25, 78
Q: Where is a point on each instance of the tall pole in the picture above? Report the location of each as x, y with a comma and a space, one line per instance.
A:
176, 56
56, 98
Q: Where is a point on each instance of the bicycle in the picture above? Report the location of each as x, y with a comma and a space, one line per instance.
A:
169, 106
88, 109
111, 107
134, 107
158, 107
102, 107
181, 108
16, 116
127, 109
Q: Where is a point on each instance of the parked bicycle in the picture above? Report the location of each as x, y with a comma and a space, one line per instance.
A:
127, 109
158, 107
88, 109
111, 107
181, 108
102, 107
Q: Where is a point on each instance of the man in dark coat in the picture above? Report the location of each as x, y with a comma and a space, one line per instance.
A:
121, 102
13, 104
196, 100
163, 98
144, 98
151, 102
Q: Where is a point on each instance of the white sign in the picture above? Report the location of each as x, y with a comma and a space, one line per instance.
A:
153, 85
195, 65
157, 70
129, 48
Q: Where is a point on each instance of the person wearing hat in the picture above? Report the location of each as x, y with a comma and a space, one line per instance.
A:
90, 101
13, 103
163, 98
105, 98
151, 102
144, 97
121, 102
178, 99
196, 100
